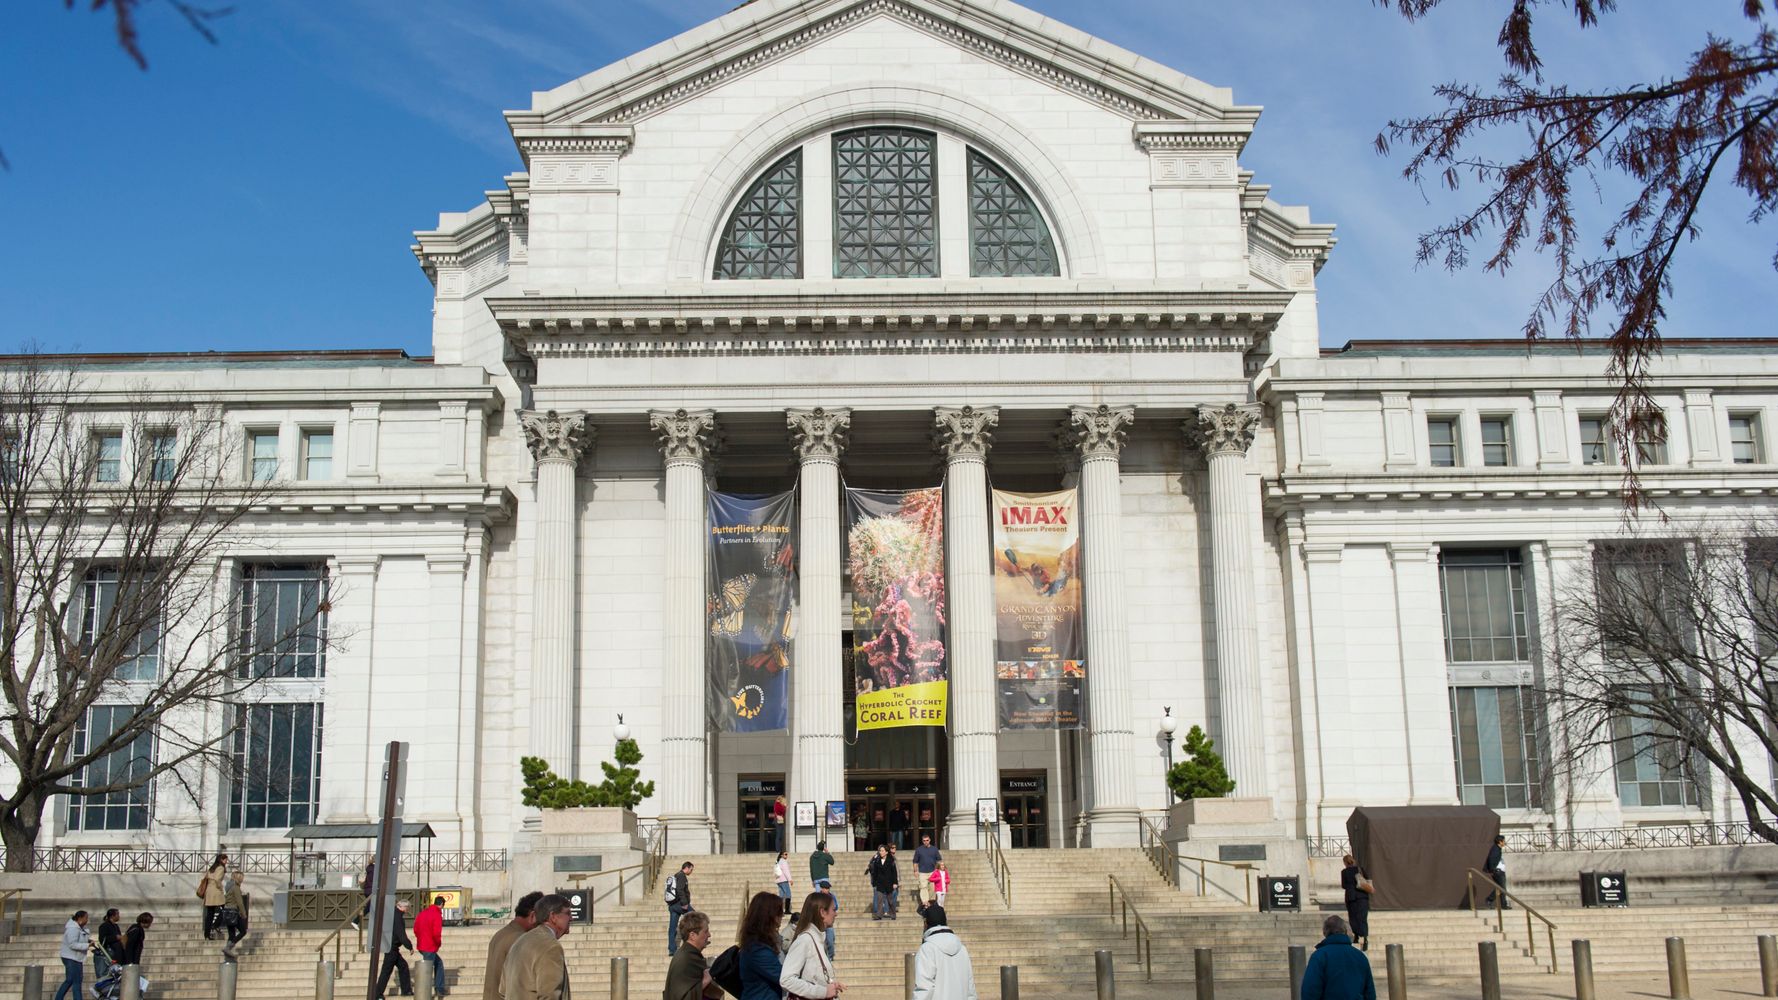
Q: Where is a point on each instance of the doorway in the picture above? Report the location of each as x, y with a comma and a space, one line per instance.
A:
1024, 808
894, 809
756, 797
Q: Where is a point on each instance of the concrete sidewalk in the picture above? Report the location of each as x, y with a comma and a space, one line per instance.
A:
1555, 987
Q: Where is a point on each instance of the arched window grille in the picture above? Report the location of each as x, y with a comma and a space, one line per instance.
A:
884, 204
1007, 237
764, 235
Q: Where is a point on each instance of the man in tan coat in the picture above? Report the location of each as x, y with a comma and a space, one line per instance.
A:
524, 917
535, 968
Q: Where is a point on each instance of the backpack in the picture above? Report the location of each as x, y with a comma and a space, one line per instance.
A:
726, 971
672, 893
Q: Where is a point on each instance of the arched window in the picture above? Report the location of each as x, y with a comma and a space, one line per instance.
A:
884, 192
764, 235
1007, 237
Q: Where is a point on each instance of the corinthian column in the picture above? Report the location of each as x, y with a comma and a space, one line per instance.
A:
964, 434
557, 441
818, 766
1224, 434
1098, 433
687, 436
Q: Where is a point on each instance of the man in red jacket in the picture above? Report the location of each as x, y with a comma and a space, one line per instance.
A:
428, 934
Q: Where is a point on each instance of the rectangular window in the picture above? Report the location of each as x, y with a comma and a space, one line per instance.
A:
108, 457
317, 455
1651, 445
283, 622
1595, 441
1744, 438
137, 623
1497, 441
1762, 606
262, 456
1493, 730
1650, 764
11, 458
163, 456
277, 766
1484, 605
126, 809
1441, 441
1644, 598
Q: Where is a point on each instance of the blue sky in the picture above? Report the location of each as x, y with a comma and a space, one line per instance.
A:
262, 193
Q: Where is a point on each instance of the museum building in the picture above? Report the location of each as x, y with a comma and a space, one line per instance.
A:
825, 249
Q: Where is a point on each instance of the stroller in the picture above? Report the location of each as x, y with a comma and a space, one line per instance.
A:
110, 984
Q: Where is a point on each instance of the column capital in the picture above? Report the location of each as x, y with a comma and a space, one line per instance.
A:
686, 435
819, 433
1098, 431
964, 431
1223, 430
557, 437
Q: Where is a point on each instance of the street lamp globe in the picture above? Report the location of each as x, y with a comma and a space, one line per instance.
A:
1168, 723
620, 732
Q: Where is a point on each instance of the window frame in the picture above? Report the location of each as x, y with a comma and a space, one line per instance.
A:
306, 460
1692, 794
310, 646
159, 467
79, 809
929, 264
1505, 444
1754, 442
254, 436
97, 437
1607, 449
89, 628
1533, 774
244, 766
1455, 423
727, 264
1518, 604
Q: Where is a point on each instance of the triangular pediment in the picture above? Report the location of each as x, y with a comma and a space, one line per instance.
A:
760, 32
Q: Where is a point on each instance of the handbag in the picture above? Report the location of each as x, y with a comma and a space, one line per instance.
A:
1365, 885
203, 887
726, 971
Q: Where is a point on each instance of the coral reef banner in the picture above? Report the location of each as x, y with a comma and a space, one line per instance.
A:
1039, 647
750, 601
895, 549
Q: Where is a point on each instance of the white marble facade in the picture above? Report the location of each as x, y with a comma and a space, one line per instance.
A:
517, 523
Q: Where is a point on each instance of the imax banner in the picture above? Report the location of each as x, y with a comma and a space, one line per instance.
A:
1039, 648
895, 548
750, 600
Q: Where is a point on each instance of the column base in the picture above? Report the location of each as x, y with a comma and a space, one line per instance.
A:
1114, 827
962, 834
689, 835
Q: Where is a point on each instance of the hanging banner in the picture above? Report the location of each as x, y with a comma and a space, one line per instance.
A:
1039, 648
750, 602
895, 546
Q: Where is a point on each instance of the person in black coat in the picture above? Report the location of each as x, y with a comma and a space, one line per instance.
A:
1358, 903
135, 938
1495, 868
110, 949
883, 883
392, 961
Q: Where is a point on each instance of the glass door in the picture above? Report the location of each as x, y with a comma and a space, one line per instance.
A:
1024, 809
757, 831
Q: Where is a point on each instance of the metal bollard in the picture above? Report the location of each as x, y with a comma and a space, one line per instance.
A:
1679, 979
907, 976
1204, 973
1768, 965
1490, 957
1583, 969
620, 978
34, 983
132, 983
323, 981
1299, 963
422, 973
1397, 967
1009, 982
1103, 976
226, 975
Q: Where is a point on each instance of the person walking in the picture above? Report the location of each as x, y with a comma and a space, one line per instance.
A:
882, 880
211, 889
1357, 886
761, 949
688, 975
233, 916
821, 867
780, 811
76, 941
807, 971
898, 826
895, 889
364, 886
109, 950
939, 882
926, 861
1337, 971
1495, 868
524, 917
428, 935
135, 939
678, 894
536, 968
941, 966
392, 959
781, 875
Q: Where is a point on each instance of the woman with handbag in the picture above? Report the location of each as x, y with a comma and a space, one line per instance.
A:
210, 890
1358, 889
233, 917
781, 875
807, 972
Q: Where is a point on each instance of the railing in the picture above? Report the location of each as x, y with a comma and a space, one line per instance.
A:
18, 916
654, 856
741, 918
593, 897
1612, 838
1500, 899
1120, 902
121, 860
1169, 861
997, 864
337, 939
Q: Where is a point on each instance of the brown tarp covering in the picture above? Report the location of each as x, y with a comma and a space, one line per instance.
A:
1419, 856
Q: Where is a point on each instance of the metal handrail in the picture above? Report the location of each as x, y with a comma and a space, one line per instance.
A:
741, 918
1168, 860
654, 856
18, 919
592, 900
1117, 893
998, 865
1500, 898
337, 939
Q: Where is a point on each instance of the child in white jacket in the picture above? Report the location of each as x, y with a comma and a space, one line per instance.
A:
807, 971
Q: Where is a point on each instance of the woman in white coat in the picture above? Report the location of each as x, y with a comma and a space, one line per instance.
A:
941, 966
807, 971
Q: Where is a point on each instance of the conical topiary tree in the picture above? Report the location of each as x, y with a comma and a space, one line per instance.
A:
544, 789
1201, 774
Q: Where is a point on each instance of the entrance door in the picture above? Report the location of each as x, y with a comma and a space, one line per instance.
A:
893, 810
756, 797
1024, 810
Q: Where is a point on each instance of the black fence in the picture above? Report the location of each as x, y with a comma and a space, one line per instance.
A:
1627, 838
123, 860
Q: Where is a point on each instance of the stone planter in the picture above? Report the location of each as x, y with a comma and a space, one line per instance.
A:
589, 821
1219, 812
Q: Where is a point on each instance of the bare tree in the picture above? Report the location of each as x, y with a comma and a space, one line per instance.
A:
116, 511
1663, 667
1714, 122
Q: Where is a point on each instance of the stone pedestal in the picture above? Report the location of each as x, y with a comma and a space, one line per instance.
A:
1235, 830
573, 842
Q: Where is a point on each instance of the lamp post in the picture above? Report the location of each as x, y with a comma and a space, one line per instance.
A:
621, 732
1168, 725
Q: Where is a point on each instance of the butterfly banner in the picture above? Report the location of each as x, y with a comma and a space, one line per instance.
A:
750, 602
1039, 647
895, 550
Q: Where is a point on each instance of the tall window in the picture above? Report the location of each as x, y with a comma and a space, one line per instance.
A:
1007, 236
1744, 438
1484, 598
163, 456
1441, 441
277, 765
99, 614
118, 810
262, 455
1651, 444
1497, 441
1650, 764
1595, 441
884, 204
318, 455
763, 238
108, 457
1494, 734
283, 621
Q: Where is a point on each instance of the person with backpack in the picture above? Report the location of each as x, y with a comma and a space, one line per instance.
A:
781, 875
941, 966
678, 897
